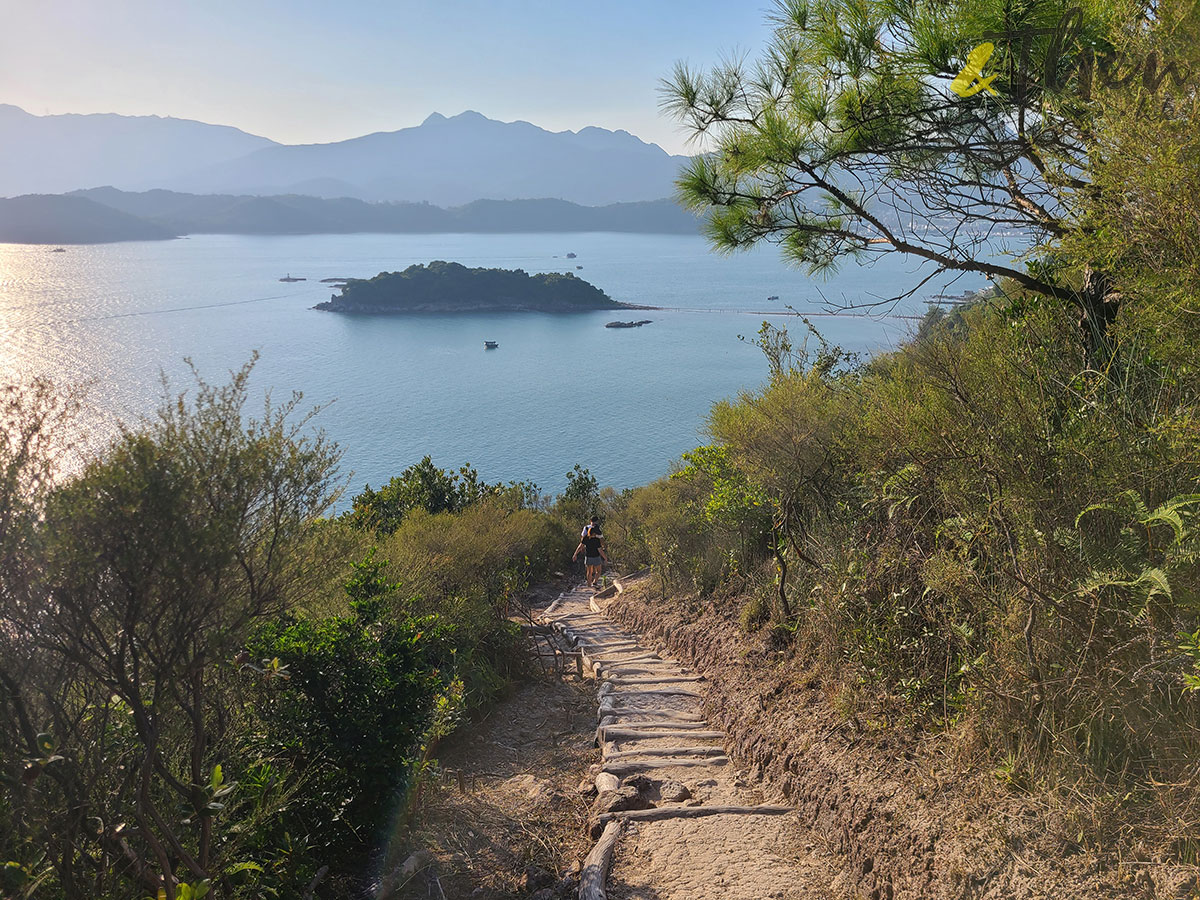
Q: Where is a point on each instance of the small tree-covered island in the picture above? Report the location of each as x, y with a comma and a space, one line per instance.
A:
448, 287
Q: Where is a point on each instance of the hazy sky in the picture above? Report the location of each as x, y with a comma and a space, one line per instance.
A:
301, 71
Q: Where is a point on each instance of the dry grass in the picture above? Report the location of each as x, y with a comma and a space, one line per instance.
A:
506, 797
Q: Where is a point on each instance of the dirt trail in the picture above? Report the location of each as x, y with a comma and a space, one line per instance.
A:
680, 821
504, 819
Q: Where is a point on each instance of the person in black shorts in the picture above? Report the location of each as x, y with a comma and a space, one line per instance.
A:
591, 545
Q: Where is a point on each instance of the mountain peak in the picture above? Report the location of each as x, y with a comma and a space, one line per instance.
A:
465, 117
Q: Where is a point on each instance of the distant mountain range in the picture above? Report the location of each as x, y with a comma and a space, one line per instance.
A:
443, 161
55, 154
106, 214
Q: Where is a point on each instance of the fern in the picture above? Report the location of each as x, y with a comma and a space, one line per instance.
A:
1136, 564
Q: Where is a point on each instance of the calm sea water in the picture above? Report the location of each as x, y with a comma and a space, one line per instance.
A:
559, 390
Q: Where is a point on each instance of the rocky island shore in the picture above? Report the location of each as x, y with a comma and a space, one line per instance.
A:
448, 287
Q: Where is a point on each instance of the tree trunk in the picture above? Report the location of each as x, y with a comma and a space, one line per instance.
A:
777, 549
1099, 304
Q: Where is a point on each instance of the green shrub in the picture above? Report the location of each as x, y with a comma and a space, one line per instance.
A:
126, 594
346, 711
663, 525
975, 528
426, 487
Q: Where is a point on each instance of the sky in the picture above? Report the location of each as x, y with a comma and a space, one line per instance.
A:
314, 71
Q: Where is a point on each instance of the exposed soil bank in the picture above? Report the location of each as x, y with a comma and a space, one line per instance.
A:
905, 820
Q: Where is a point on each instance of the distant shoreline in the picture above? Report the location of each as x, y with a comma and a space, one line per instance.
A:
107, 215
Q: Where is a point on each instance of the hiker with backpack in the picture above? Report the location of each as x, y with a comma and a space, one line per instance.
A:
591, 545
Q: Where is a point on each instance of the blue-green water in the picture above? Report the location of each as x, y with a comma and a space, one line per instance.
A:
559, 390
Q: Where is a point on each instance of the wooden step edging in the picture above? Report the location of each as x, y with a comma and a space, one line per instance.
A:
663, 813
665, 751
653, 679
667, 721
595, 868
621, 669
656, 731
612, 733
630, 767
658, 719
608, 689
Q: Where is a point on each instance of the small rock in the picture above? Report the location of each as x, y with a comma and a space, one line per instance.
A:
639, 783
545, 894
422, 859
622, 799
586, 787
535, 878
673, 792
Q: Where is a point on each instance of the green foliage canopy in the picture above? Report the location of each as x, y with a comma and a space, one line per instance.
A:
425, 486
844, 139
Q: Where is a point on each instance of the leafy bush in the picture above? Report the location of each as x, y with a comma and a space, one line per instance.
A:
425, 486
346, 709
127, 589
471, 569
974, 528
215, 700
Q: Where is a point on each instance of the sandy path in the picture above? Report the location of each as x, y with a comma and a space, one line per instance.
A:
654, 741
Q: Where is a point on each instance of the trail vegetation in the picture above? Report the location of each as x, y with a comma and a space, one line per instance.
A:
209, 686
991, 533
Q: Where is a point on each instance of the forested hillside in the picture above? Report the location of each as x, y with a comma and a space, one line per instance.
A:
989, 535
207, 686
